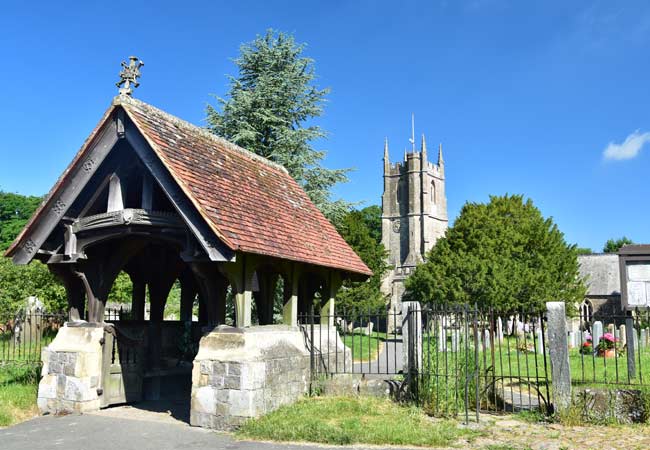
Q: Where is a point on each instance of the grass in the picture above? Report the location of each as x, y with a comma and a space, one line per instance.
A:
364, 348
30, 351
586, 370
354, 420
18, 389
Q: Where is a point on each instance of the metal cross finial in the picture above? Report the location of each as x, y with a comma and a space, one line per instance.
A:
129, 75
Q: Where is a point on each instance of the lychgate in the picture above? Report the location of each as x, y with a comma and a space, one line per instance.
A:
168, 203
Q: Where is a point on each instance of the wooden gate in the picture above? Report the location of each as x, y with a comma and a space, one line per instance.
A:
122, 367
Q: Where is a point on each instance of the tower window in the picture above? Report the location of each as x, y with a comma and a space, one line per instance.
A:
433, 192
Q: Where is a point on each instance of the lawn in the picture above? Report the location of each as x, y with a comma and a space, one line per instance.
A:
354, 420
364, 348
509, 362
18, 389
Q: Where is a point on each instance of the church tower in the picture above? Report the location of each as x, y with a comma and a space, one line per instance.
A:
414, 215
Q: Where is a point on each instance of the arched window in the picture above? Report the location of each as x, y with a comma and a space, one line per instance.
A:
586, 312
433, 192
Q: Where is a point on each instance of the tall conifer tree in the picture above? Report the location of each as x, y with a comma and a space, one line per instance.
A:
269, 110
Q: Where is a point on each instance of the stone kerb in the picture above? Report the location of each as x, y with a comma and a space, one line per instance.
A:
243, 373
71, 374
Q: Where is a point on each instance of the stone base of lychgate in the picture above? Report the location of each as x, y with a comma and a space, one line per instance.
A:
71, 373
239, 374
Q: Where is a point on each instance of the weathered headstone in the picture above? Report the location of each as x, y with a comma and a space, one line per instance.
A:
486, 337
622, 337
572, 339
29, 324
643, 343
455, 339
442, 337
611, 328
540, 340
499, 329
559, 355
597, 333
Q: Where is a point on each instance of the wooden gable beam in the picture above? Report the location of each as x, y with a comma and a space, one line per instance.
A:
62, 198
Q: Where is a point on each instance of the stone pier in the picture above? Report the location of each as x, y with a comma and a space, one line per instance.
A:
240, 373
72, 369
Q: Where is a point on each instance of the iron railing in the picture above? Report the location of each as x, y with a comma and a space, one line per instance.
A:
450, 359
23, 336
610, 350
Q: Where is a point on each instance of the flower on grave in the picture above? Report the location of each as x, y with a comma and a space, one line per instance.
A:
587, 348
607, 341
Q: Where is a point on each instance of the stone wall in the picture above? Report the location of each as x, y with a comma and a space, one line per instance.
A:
71, 374
244, 373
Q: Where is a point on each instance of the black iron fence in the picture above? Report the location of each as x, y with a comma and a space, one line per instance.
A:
24, 335
354, 342
451, 360
611, 350
474, 360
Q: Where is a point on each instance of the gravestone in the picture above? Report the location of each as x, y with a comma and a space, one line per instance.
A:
499, 329
621, 335
29, 324
540, 341
611, 329
455, 339
643, 343
559, 355
597, 333
572, 339
486, 337
442, 337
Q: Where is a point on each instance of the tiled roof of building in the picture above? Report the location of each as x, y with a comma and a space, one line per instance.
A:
252, 204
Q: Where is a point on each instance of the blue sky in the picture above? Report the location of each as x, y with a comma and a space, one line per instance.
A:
547, 99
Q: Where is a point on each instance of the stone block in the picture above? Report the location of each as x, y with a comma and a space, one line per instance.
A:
79, 390
204, 400
199, 419
219, 368
47, 387
234, 369
60, 385
246, 403
231, 382
206, 367
253, 375
87, 406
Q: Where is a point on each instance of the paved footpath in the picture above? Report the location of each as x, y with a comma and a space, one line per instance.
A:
109, 432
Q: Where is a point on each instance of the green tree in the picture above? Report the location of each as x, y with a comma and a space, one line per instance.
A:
15, 210
372, 218
503, 254
269, 110
358, 297
19, 282
584, 251
614, 245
